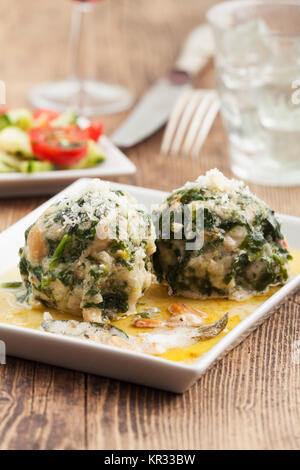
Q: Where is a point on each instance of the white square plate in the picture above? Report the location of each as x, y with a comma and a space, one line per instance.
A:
106, 360
49, 182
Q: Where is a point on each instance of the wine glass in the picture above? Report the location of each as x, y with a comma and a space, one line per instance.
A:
85, 95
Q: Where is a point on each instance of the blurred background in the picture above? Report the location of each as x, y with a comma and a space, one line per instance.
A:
135, 42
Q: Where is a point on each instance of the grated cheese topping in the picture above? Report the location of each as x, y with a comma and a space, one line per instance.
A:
216, 181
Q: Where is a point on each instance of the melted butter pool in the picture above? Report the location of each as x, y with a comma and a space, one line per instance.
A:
13, 313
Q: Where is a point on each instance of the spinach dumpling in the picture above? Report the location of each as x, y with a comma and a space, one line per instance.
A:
243, 253
89, 254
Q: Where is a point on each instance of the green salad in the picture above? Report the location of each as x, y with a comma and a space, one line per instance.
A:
47, 141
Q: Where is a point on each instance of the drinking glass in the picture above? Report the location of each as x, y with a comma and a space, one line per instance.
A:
85, 95
258, 77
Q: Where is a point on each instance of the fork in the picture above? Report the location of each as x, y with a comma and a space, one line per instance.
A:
190, 122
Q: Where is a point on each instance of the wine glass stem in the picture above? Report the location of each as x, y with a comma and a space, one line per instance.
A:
79, 32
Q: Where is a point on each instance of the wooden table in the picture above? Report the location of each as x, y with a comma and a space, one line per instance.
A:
251, 399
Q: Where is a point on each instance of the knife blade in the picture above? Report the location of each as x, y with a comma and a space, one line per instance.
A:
154, 108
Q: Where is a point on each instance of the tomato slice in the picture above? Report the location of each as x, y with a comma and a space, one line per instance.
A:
95, 130
42, 117
4, 110
63, 146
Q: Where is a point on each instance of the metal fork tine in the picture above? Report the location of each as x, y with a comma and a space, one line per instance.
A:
197, 122
185, 121
206, 126
190, 122
173, 121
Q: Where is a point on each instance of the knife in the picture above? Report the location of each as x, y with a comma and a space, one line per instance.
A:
154, 108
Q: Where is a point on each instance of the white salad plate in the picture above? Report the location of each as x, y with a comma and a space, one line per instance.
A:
49, 182
104, 360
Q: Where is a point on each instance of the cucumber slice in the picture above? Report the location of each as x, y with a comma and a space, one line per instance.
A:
93, 157
5, 169
22, 118
14, 140
65, 119
33, 166
10, 162
4, 121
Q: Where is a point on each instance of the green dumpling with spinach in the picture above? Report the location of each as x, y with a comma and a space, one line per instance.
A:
243, 251
89, 254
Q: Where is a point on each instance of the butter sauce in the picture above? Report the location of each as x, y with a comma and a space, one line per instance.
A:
13, 313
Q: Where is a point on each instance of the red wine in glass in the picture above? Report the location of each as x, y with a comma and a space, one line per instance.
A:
87, 96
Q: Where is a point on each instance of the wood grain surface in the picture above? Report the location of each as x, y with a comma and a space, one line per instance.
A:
249, 400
